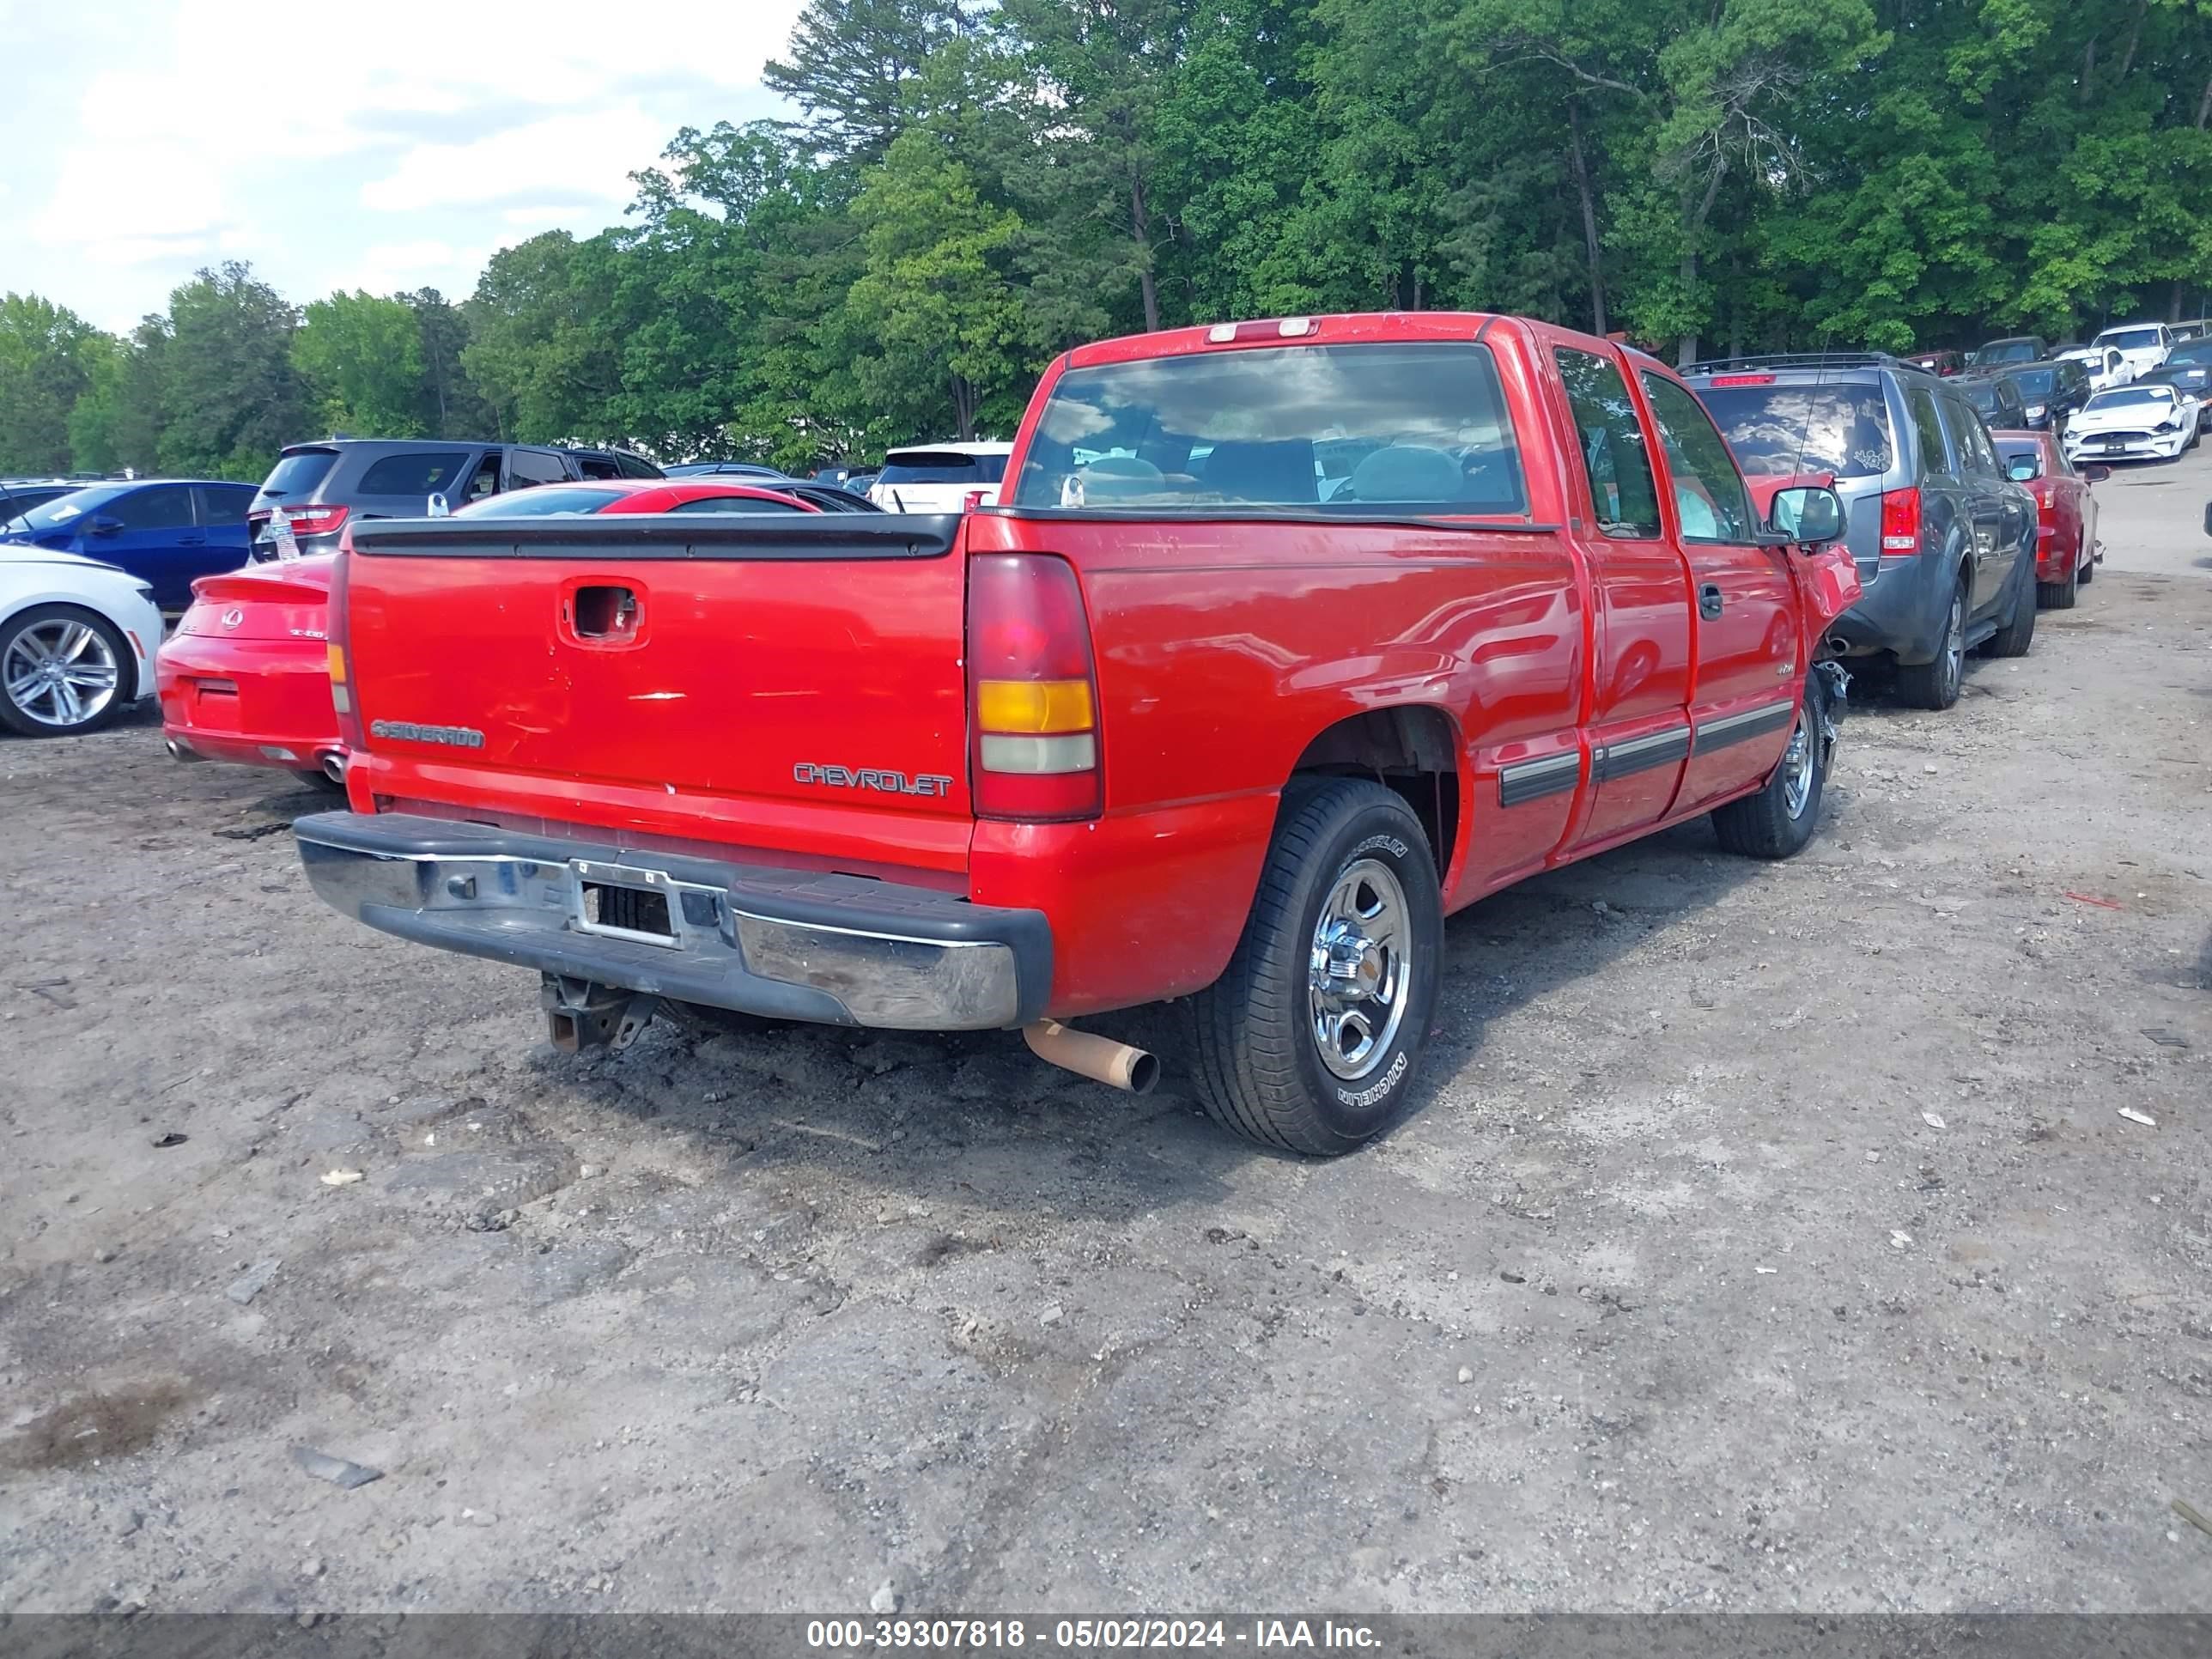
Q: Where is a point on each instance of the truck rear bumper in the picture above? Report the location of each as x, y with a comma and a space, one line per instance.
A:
790, 945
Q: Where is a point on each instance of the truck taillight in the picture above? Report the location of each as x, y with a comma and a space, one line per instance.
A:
334, 632
1900, 521
1032, 690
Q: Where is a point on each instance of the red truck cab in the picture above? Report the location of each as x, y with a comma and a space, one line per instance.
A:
1286, 639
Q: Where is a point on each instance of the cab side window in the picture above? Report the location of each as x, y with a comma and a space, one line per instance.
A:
1614, 457
1709, 499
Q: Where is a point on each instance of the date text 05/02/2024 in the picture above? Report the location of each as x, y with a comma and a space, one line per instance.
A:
1087, 1635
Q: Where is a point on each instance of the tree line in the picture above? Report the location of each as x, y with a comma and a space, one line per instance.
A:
968, 188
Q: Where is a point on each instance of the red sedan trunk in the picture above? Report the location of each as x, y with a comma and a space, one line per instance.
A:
245, 676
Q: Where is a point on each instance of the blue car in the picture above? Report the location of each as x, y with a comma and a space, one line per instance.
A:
162, 531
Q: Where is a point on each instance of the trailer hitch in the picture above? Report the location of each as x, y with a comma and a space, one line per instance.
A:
581, 1013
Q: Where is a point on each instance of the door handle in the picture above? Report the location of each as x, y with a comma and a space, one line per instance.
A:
191, 541
1709, 601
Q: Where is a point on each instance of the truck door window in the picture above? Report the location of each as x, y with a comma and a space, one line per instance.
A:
1612, 441
1709, 499
484, 481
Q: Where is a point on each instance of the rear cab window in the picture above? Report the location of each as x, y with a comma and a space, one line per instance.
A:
1387, 430
1779, 428
413, 472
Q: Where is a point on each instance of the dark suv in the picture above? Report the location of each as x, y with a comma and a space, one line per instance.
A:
322, 485
2050, 393
1944, 542
1995, 399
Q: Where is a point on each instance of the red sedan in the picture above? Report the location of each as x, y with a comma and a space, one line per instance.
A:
2066, 550
246, 676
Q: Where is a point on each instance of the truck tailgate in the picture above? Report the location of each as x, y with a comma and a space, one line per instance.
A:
727, 676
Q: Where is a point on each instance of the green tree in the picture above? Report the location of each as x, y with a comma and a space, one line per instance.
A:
852, 67
47, 356
542, 340
934, 327
116, 421
360, 358
230, 398
447, 403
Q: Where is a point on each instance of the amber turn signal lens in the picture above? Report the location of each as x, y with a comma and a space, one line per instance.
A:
1038, 708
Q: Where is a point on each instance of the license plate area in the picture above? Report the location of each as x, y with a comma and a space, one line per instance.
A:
645, 907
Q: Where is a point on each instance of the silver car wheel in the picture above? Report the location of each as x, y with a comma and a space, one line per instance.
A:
60, 673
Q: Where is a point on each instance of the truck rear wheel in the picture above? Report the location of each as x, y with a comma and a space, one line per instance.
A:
1309, 1040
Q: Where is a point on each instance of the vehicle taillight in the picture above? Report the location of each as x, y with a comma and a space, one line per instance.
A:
314, 520
1743, 379
1900, 521
1032, 691
334, 632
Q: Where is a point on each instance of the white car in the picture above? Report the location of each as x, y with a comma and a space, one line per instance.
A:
2143, 345
940, 477
2133, 422
77, 639
2106, 365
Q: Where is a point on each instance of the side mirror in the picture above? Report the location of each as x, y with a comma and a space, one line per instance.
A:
103, 525
1808, 514
2096, 474
2026, 470
436, 508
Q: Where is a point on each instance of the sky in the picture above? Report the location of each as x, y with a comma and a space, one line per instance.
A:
376, 144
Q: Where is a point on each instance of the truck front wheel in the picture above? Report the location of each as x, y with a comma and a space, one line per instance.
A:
1309, 1040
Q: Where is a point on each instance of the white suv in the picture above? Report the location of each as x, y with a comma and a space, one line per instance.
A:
940, 477
2143, 345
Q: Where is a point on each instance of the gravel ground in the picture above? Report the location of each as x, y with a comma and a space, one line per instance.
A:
1766, 1238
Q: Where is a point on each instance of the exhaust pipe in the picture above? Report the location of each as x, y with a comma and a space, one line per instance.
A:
334, 769
178, 751
1839, 644
1087, 1055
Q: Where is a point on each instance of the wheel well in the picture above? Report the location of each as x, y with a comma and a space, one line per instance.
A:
1412, 751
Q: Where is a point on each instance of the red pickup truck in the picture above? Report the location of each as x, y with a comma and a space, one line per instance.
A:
1288, 638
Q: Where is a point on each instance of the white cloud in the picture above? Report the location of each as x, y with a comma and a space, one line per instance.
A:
159, 134
586, 157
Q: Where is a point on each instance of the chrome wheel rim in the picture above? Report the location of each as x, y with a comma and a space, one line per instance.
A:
1359, 978
1797, 768
1955, 640
60, 672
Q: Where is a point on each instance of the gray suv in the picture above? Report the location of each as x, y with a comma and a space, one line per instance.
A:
1944, 542
323, 486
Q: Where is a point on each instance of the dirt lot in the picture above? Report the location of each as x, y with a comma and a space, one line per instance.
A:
1781, 1222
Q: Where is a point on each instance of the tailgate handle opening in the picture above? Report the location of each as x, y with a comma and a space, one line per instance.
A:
604, 612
